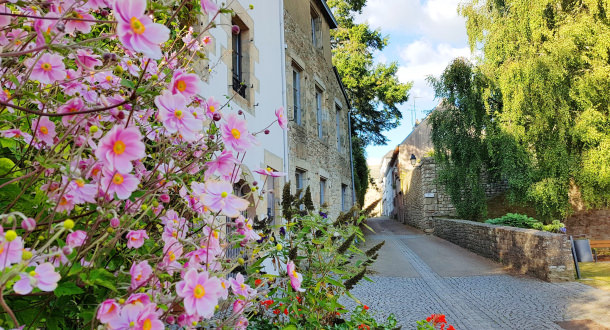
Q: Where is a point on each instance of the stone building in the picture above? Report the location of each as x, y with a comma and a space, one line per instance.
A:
318, 108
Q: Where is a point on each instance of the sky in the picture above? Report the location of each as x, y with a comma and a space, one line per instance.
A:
424, 36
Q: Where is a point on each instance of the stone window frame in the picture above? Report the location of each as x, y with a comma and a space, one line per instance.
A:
323, 190
319, 107
343, 197
316, 27
239, 81
297, 70
303, 175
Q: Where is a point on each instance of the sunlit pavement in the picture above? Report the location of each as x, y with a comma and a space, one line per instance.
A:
418, 274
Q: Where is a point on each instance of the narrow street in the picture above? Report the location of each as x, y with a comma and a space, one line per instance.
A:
418, 274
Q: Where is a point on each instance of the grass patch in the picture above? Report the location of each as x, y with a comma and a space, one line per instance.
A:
596, 274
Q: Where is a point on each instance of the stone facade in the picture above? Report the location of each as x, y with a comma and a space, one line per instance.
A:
317, 107
594, 224
373, 193
541, 254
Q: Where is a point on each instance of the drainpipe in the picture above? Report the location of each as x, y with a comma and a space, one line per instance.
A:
284, 103
351, 155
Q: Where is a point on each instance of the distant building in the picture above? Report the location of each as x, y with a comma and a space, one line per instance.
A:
318, 108
373, 193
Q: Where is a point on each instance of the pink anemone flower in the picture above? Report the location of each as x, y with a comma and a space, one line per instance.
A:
235, 134
200, 293
45, 130
43, 277
211, 107
218, 197
187, 84
123, 184
209, 7
136, 31
222, 165
295, 278
48, 69
281, 118
78, 25
176, 118
140, 274
76, 239
135, 238
10, 252
270, 172
108, 310
73, 105
239, 287
119, 147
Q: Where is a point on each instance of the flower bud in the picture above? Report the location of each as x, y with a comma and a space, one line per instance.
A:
278, 247
93, 129
10, 218
255, 183
267, 132
10, 235
28, 224
216, 117
60, 27
240, 112
26, 255
164, 198
121, 115
241, 261
69, 224
66, 250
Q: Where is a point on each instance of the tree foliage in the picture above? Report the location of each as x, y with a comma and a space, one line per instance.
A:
548, 63
373, 89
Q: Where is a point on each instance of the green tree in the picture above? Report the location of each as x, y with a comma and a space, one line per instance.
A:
458, 136
550, 59
373, 89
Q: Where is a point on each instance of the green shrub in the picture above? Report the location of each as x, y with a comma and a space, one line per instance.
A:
524, 221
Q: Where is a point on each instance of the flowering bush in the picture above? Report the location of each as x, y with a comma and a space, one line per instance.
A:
117, 174
434, 322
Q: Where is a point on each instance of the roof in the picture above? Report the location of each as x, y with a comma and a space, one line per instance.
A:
328, 14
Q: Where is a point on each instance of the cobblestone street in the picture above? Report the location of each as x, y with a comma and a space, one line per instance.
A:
417, 275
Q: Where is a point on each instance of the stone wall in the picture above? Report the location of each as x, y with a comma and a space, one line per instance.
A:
540, 254
594, 224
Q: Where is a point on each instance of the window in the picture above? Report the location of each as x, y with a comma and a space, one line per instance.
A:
316, 29
319, 112
239, 81
296, 94
343, 197
322, 191
299, 176
338, 120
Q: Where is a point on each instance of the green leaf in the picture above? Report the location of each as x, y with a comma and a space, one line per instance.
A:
334, 282
67, 289
128, 83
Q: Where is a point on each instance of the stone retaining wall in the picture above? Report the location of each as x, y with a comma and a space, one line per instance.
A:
540, 254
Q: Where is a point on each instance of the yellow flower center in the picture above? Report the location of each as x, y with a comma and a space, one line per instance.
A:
236, 133
224, 286
249, 226
147, 325
132, 324
111, 309
44, 130
172, 256
118, 179
136, 26
63, 201
1, 248
7, 93
224, 194
108, 78
212, 108
242, 286
32, 273
79, 182
294, 274
175, 233
199, 291
46, 66
129, 62
73, 109
215, 233
178, 114
181, 85
119, 147
139, 277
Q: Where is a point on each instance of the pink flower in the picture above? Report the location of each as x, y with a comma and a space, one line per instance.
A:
209, 7
200, 293
206, 40
137, 317
172, 251
43, 277
295, 278
244, 227
76, 238
136, 31
135, 238
239, 287
4, 19
15, 133
187, 84
175, 116
222, 165
281, 118
73, 105
45, 130
106, 79
82, 192
121, 184
10, 252
235, 134
269, 172
242, 323
119, 147
140, 274
48, 69
81, 26
29, 224
87, 60
108, 311
218, 197
211, 106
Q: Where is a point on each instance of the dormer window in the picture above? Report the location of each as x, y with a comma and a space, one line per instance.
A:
316, 29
